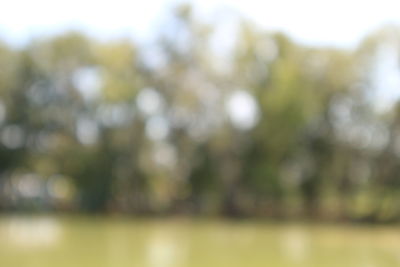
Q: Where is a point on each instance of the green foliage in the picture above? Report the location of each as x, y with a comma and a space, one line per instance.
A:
136, 136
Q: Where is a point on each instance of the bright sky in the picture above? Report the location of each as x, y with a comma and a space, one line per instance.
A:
339, 22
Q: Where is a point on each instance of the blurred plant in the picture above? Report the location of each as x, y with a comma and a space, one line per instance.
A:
281, 130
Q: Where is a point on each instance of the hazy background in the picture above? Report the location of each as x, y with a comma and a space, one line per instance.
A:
203, 133
282, 109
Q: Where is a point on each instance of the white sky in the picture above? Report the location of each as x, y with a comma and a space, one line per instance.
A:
316, 22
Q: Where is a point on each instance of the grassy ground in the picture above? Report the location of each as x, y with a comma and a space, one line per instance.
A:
96, 242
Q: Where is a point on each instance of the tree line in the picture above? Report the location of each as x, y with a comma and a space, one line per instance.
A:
266, 128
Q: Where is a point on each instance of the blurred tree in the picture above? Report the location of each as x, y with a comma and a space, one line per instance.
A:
281, 129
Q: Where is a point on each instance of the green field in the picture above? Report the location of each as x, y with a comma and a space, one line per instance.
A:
98, 242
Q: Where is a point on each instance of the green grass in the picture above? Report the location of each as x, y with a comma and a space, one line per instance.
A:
105, 242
